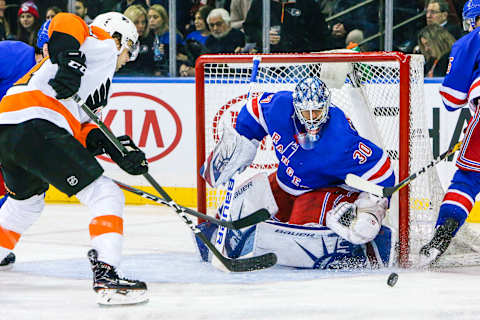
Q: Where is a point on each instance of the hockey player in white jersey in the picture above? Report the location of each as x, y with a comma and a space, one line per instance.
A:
317, 222
46, 138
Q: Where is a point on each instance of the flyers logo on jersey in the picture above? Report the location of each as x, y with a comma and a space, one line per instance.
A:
99, 98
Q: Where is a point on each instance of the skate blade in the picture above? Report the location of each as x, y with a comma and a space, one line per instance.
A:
114, 297
7, 267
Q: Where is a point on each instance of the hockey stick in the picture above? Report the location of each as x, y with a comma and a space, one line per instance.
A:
361, 184
254, 218
235, 265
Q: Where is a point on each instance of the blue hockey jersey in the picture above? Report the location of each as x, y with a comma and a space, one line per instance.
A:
462, 80
16, 59
339, 150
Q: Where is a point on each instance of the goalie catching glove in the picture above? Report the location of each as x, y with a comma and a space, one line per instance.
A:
234, 153
133, 162
358, 222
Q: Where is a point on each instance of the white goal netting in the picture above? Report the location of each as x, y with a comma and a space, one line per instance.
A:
384, 98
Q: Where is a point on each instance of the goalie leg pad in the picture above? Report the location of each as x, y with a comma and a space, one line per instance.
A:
313, 247
252, 195
248, 197
318, 247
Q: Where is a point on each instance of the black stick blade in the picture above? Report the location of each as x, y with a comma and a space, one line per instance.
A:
254, 218
251, 264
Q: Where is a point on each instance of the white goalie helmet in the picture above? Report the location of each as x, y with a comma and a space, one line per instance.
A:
117, 23
311, 100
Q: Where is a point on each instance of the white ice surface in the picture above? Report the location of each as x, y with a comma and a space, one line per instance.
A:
52, 280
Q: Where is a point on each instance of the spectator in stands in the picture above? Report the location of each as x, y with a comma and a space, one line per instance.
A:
52, 12
81, 10
437, 13
195, 42
194, 7
28, 23
158, 24
4, 26
296, 26
223, 38
201, 32
143, 64
238, 12
435, 44
183, 13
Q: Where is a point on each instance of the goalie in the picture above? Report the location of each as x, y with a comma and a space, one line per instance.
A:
317, 222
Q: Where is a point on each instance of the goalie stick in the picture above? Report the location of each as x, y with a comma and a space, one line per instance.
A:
235, 265
254, 218
356, 182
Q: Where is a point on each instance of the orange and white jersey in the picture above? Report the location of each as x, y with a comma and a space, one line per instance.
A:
33, 98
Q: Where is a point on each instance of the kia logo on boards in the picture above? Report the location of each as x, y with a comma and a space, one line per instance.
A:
148, 131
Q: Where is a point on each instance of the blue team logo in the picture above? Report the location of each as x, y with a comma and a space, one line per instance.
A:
343, 256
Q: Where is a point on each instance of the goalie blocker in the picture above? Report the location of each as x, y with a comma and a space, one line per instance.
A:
306, 246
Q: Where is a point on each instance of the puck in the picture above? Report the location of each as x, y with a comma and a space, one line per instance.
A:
392, 279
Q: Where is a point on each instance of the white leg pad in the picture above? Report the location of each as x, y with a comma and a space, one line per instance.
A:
252, 195
292, 243
319, 247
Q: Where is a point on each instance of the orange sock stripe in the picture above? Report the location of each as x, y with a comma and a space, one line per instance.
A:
8, 238
106, 224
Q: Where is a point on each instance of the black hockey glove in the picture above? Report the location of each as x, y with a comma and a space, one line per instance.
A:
134, 162
71, 67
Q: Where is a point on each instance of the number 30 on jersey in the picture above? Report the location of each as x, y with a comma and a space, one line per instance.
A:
362, 153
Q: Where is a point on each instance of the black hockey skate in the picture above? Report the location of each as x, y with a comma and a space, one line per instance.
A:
431, 252
7, 262
112, 289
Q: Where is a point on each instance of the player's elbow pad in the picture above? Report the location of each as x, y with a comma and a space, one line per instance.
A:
60, 42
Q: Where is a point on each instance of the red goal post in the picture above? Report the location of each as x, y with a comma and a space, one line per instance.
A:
390, 85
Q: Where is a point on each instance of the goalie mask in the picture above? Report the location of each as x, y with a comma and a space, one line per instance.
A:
471, 10
311, 100
117, 24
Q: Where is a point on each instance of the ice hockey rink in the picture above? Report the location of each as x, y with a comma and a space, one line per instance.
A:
52, 280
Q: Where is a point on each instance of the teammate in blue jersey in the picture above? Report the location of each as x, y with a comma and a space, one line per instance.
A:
461, 85
317, 146
16, 59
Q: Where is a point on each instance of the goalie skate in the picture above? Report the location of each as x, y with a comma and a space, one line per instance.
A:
7, 262
112, 289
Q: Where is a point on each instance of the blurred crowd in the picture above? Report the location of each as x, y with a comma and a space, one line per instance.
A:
235, 26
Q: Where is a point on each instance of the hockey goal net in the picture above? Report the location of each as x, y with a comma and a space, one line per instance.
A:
384, 98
